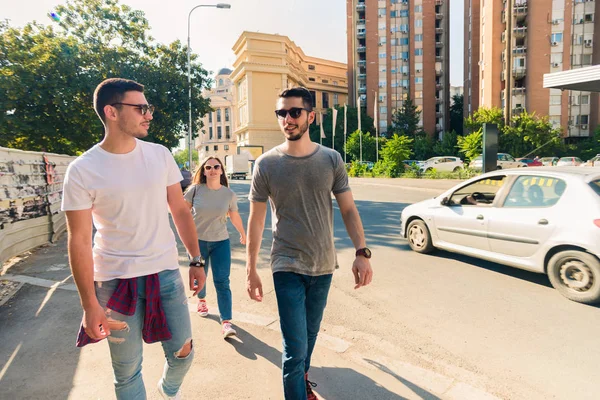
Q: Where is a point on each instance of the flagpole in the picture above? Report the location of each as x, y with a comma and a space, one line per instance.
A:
359, 129
345, 129
376, 127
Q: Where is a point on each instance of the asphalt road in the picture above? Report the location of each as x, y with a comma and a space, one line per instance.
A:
496, 327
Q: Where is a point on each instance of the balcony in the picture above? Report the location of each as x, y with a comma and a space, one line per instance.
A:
438, 100
362, 63
439, 58
439, 16
362, 90
360, 6
362, 76
361, 49
438, 86
503, 76
503, 56
519, 72
361, 34
439, 114
439, 30
439, 45
360, 21
503, 37
518, 91
439, 72
520, 31
520, 50
439, 2
520, 11
517, 110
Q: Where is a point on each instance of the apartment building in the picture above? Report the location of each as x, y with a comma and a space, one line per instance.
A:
400, 48
266, 64
216, 138
520, 41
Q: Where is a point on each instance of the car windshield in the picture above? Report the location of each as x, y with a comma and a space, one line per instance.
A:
596, 186
565, 159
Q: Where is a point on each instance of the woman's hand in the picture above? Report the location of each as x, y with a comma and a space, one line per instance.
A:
243, 238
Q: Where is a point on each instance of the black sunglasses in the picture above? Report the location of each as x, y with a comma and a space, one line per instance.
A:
294, 112
144, 108
209, 167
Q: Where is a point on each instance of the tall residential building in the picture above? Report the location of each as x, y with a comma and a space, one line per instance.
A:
471, 63
216, 138
266, 64
522, 40
400, 48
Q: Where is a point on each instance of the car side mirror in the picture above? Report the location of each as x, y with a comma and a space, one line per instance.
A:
444, 201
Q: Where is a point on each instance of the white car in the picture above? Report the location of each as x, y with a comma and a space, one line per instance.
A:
444, 163
543, 219
505, 161
569, 162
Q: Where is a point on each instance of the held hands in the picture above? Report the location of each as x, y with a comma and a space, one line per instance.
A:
363, 274
197, 279
254, 286
243, 238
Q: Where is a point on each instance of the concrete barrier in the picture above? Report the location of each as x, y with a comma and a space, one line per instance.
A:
30, 197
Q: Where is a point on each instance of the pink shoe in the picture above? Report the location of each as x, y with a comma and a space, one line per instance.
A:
228, 330
202, 308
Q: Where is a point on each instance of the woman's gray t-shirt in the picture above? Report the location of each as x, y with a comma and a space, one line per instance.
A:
300, 191
210, 208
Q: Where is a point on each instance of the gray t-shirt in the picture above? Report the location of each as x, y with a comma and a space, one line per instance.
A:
210, 210
302, 211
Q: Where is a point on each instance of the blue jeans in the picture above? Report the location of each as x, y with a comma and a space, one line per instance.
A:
126, 344
301, 300
218, 256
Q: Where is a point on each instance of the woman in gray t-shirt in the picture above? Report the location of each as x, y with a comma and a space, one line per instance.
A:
212, 201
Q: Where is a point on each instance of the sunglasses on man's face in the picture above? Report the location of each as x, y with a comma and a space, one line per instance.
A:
294, 112
144, 108
209, 167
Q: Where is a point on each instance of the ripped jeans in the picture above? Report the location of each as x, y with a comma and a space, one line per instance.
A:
126, 344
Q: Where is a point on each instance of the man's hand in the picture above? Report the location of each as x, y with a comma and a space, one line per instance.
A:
363, 274
197, 279
95, 322
242, 238
254, 286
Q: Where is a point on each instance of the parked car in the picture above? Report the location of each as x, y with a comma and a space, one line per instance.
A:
505, 160
544, 220
549, 161
569, 162
187, 179
442, 163
592, 162
410, 163
530, 162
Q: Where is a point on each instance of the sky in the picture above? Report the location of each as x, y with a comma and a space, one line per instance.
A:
317, 26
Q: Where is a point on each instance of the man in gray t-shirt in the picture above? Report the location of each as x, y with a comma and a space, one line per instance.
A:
299, 177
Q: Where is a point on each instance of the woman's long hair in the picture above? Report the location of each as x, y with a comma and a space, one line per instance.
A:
200, 178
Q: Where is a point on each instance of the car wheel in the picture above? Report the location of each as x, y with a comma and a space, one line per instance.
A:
419, 238
576, 275
456, 169
498, 168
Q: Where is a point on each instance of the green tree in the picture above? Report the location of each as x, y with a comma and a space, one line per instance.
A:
396, 149
405, 120
353, 147
471, 145
182, 157
483, 115
48, 75
528, 132
456, 114
448, 146
423, 146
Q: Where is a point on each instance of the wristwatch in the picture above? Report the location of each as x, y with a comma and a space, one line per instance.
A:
365, 252
196, 262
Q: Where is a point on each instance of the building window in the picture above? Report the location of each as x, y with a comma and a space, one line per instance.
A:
311, 67
220, 82
393, 14
210, 117
325, 81
226, 147
335, 83
555, 100
325, 98
383, 110
227, 115
382, 55
586, 59
556, 37
404, 55
404, 28
210, 133
585, 99
381, 12
588, 18
206, 148
419, 38
311, 79
419, 79
418, 9
404, 41
336, 100
404, 13
418, 52
216, 147
227, 132
314, 98
418, 23
219, 135
418, 94
219, 115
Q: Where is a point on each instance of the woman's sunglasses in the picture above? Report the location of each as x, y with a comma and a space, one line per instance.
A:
294, 112
209, 167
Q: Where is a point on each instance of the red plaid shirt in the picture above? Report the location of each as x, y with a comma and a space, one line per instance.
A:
124, 301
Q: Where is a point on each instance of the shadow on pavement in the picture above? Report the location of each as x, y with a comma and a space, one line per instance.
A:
422, 393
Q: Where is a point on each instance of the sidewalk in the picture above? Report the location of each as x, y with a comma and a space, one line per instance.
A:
38, 358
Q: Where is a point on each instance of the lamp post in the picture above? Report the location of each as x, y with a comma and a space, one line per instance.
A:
219, 5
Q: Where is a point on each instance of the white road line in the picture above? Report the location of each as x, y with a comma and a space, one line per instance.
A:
39, 282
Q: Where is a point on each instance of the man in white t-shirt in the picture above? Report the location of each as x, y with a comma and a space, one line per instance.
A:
129, 282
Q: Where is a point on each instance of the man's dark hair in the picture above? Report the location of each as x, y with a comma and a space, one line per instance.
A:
112, 91
299, 91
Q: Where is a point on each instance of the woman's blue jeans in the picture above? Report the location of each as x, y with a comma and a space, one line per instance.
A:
126, 344
218, 256
301, 300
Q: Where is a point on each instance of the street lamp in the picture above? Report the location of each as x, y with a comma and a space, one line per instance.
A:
219, 5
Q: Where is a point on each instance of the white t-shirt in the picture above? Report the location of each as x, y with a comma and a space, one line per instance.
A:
128, 197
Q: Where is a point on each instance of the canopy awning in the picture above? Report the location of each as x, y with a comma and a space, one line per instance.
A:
585, 79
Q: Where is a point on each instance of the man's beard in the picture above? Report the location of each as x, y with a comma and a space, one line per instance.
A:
132, 132
303, 130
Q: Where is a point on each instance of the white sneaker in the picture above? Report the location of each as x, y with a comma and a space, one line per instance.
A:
177, 396
228, 330
202, 308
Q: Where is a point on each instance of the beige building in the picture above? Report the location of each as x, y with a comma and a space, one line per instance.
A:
520, 41
216, 138
396, 49
266, 64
